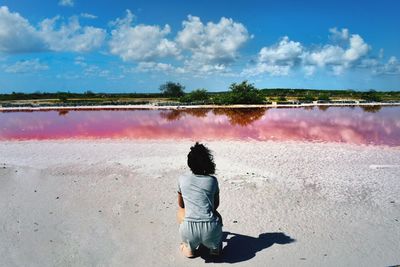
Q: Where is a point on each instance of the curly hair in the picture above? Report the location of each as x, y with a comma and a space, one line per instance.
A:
200, 160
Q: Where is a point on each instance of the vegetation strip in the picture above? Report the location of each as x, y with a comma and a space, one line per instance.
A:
173, 94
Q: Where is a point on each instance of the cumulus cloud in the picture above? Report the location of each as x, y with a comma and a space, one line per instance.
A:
277, 60
17, 35
336, 34
26, 66
336, 55
140, 42
199, 48
285, 53
348, 50
328, 55
391, 67
69, 3
212, 43
70, 36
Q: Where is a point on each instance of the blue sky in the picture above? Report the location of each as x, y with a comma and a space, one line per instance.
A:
134, 46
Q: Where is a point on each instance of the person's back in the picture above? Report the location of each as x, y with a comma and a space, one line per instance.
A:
198, 195
198, 192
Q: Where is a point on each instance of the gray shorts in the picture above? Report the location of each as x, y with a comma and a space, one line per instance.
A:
208, 234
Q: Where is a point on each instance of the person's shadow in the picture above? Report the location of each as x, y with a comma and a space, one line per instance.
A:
242, 247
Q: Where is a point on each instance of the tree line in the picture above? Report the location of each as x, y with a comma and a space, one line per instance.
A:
247, 93
238, 93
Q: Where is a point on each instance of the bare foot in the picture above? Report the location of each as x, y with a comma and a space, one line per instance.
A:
186, 251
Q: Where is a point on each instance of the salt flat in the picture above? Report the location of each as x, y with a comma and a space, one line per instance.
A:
113, 203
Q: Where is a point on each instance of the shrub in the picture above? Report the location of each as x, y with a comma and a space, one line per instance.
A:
244, 93
307, 98
324, 97
198, 95
282, 98
172, 89
63, 97
222, 99
371, 96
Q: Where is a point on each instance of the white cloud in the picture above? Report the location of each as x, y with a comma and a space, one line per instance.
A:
71, 36
140, 42
328, 55
17, 35
69, 3
277, 60
202, 48
338, 70
391, 67
336, 55
309, 70
358, 48
88, 16
212, 43
336, 35
157, 66
26, 66
285, 53
349, 51
273, 70
199, 49
80, 61
90, 70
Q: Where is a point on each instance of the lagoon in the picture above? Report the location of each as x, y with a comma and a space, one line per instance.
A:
367, 125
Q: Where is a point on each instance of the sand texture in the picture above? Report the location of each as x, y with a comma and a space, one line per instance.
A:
114, 202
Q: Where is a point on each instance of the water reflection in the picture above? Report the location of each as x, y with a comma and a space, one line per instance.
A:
174, 114
356, 125
236, 116
63, 112
372, 108
309, 107
241, 116
323, 108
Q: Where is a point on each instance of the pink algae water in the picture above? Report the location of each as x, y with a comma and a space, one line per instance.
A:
372, 125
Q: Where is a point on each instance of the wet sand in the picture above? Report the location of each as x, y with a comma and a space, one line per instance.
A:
113, 203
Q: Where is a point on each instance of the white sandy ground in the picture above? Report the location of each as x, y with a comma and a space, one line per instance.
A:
113, 203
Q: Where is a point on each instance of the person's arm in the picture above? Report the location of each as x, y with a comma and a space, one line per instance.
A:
181, 204
180, 215
216, 201
216, 195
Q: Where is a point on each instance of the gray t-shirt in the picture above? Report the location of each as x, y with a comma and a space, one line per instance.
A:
198, 192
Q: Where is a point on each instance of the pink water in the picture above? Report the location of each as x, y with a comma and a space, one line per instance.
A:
368, 125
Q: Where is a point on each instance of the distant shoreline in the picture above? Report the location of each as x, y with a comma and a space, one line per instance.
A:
177, 107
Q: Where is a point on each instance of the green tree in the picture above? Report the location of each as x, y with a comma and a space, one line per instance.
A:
198, 95
245, 93
324, 97
62, 96
308, 97
282, 98
172, 89
372, 96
